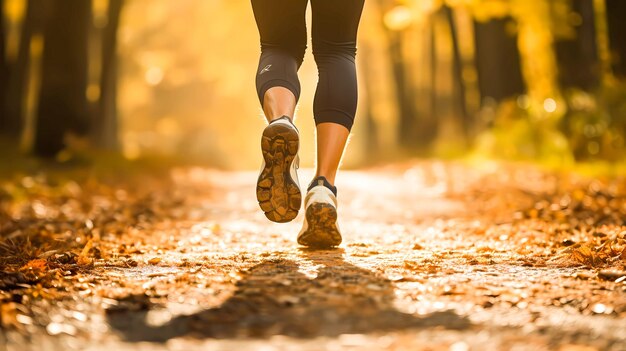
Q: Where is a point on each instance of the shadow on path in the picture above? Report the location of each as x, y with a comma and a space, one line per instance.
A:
274, 298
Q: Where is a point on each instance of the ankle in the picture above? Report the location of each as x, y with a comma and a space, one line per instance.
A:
330, 178
276, 118
322, 180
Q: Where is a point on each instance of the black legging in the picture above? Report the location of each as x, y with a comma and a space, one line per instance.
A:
282, 28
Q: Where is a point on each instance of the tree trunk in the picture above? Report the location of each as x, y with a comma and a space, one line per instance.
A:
15, 99
459, 83
497, 61
615, 10
408, 133
4, 72
407, 114
578, 56
602, 41
63, 104
371, 132
434, 67
105, 124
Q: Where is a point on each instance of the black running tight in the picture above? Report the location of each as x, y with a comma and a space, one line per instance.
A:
283, 34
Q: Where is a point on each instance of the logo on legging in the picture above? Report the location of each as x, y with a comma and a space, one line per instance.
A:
265, 69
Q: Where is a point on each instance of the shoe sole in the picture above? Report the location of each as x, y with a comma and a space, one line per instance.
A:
322, 231
278, 194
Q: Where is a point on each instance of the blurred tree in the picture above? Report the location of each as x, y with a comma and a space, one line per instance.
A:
15, 99
433, 60
602, 41
457, 73
4, 70
407, 128
373, 143
415, 131
498, 59
104, 129
576, 50
63, 104
615, 10
534, 27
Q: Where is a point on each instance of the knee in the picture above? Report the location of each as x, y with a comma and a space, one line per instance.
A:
294, 51
323, 50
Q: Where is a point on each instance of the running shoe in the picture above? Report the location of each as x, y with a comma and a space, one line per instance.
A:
277, 189
320, 228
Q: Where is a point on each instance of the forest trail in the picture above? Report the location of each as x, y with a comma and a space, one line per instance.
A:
437, 256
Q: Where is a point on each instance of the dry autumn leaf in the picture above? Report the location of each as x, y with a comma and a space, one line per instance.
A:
154, 260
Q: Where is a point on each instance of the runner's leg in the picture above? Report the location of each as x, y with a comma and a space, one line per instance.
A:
282, 29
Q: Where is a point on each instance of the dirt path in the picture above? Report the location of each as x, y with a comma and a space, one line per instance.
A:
435, 256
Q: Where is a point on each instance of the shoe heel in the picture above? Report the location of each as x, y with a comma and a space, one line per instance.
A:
321, 231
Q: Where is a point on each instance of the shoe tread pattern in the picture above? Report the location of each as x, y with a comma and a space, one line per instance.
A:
278, 194
322, 231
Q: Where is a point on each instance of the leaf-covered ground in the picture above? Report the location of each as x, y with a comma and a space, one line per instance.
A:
437, 256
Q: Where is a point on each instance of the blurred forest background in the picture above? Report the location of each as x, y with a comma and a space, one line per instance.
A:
514, 79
